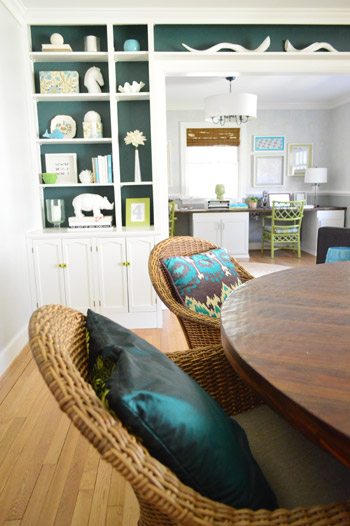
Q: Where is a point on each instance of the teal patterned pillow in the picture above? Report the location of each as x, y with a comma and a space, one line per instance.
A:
203, 281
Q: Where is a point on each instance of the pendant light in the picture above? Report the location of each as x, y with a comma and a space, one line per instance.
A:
235, 108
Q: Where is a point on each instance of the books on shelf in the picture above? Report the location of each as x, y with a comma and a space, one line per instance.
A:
57, 48
90, 222
102, 169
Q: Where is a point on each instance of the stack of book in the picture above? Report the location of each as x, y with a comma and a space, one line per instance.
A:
90, 222
217, 203
102, 169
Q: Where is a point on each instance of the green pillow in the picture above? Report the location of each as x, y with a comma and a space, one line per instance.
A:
177, 421
203, 281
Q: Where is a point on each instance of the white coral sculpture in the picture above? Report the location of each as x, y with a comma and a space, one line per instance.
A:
136, 138
135, 87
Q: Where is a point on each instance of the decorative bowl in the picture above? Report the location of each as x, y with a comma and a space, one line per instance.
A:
49, 178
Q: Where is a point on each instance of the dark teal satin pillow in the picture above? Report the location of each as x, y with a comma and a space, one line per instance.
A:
178, 422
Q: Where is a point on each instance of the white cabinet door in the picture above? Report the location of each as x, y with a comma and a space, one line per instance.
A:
312, 221
48, 272
141, 295
78, 273
110, 275
330, 218
207, 226
229, 230
235, 233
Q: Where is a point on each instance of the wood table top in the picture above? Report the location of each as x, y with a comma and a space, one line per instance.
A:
288, 335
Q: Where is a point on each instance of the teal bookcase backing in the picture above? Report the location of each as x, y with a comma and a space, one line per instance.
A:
134, 115
169, 37
136, 192
68, 194
73, 35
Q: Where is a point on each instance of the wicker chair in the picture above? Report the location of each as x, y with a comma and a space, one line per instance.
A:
57, 340
199, 329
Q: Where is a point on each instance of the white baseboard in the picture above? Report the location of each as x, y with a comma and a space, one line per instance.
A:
13, 349
255, 245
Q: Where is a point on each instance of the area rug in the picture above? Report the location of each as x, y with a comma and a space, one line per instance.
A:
260, 269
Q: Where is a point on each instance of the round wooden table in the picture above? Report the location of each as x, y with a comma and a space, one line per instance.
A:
288, 335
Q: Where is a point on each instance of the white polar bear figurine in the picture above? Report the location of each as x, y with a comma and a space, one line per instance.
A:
91, 202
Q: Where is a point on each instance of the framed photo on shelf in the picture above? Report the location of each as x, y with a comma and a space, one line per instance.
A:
269, 170
269, 144
137, 211
299, 158
64, 164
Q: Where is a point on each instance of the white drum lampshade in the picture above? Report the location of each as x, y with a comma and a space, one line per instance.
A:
230, 107
315, 175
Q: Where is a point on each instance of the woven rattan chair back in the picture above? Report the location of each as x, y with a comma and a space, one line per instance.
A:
57, 338
199, 329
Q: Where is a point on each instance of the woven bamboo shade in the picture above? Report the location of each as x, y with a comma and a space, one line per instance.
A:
212, 136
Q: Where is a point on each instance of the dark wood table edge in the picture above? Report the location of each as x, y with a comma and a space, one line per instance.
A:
322, 434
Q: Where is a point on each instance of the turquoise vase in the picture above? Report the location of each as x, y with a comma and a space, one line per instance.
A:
131, 45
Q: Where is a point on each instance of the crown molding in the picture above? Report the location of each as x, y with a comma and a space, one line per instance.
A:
340, 101
16, 8
212, 15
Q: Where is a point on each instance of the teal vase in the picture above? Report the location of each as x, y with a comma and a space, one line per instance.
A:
131, 45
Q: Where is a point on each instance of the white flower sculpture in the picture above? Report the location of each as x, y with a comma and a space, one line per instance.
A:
136, 138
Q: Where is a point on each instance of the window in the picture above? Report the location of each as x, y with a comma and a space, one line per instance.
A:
209, 165
210, 157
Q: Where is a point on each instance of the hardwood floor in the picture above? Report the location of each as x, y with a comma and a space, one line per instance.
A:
49, 474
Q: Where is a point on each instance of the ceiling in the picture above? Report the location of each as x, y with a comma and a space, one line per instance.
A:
273, 91
181, 4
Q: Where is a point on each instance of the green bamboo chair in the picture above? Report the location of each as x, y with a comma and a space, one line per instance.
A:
282, 228
172, 218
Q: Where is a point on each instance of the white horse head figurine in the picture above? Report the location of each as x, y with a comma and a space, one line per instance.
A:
93, 80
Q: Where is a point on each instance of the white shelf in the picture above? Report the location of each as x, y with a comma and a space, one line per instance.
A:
132, 96
74, 185
132, 183
250, 55
74, 141
74, 56
70, 97
131, 56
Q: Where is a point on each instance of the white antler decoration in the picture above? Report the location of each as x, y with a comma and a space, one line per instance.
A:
233, 47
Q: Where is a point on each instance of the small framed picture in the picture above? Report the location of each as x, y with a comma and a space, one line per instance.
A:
137, 211
64, 165
299, 196
269, 170
299, 158
269, 144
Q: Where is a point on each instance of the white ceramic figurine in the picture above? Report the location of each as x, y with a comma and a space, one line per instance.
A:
93, 80
91, 202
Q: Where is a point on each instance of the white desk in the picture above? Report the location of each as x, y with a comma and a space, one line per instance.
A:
230, 228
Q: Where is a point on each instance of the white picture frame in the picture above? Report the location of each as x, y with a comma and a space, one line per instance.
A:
299, 158
65, 165
269, 170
